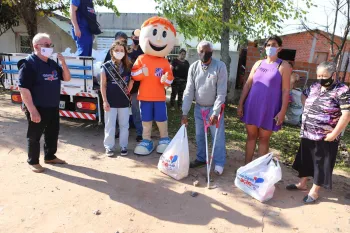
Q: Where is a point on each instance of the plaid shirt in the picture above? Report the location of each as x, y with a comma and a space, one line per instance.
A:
322, 110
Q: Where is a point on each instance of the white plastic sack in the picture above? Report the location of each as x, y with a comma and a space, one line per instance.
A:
175, 160
99, 55
68, 53
258, 178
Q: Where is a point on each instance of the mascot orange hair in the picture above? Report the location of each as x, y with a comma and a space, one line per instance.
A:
152, 69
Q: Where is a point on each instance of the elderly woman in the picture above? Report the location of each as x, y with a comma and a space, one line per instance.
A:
264, 100
326, 114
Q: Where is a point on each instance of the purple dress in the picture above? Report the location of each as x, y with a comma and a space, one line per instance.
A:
264, 100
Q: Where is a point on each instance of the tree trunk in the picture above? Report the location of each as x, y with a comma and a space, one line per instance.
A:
225, 45
346, 67
28, 13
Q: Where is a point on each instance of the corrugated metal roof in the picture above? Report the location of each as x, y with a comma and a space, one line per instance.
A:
125, 21
63, 24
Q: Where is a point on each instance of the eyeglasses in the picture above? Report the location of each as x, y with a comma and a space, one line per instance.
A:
47, 45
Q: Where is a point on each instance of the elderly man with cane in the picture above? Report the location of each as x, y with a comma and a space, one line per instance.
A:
207, 84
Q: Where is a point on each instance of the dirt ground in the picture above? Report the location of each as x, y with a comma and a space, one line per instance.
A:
133, 196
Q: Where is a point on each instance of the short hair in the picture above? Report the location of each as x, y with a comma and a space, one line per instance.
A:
274, 37
40, 36
160, 20
204, 43
328, 65
121, 34
182, 51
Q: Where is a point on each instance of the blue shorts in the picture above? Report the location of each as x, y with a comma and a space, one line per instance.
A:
153, 111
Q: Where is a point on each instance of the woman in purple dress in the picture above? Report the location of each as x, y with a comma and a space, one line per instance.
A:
264, 100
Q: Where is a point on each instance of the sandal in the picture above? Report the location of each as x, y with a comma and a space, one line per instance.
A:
309, 200
293, 187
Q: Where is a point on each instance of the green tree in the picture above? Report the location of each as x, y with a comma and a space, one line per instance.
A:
29, 10
222, 20
7, 19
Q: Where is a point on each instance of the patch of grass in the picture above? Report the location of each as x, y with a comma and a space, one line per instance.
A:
174, 123
285, 142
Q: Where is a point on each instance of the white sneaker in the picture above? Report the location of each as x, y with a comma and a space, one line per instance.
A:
218, 170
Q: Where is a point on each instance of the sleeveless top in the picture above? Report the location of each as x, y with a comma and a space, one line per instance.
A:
264, 100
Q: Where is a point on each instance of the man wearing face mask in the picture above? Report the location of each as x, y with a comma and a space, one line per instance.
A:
207, 84
40, 86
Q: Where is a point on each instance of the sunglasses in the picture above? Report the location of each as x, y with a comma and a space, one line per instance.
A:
47, 45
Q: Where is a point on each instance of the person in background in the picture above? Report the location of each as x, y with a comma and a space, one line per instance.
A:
180, 68
265, 97
134, 53
326, 114
121, 36
295, 107
207, 84
40, 86
115, 76
82, 15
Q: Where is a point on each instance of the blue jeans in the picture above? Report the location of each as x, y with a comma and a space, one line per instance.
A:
220, 149
136, 116
122, 114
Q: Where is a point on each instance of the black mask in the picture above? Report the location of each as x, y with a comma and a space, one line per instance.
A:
326, 82
136, 42
206, 57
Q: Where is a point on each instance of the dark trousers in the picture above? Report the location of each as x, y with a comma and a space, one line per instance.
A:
49, 126
316, 159
177, 89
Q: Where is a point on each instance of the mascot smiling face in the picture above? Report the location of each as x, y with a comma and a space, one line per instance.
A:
157, 36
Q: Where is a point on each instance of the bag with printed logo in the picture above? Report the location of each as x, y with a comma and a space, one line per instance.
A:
258, 178
175, 160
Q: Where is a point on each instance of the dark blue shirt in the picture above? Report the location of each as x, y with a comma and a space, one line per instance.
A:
133, 56
42, 79
115, 96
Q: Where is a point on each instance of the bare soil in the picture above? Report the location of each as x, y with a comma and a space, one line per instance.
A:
132, 196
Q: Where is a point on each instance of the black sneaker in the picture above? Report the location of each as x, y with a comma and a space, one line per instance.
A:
124, 151
197, 163
109, 153
139, 138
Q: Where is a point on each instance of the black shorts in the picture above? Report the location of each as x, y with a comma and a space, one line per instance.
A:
316, 159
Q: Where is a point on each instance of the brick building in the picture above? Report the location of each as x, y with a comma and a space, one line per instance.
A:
311, 46
305, 49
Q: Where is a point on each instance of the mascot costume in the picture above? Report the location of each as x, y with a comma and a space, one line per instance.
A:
152, 69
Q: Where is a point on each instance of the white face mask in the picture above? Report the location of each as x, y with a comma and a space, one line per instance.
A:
118, 55
271, 51
46, 52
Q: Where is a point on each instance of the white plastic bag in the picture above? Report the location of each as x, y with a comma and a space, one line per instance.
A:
258, 178
175, 160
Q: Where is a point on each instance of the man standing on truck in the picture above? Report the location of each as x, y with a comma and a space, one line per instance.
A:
40, 86
84, 25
